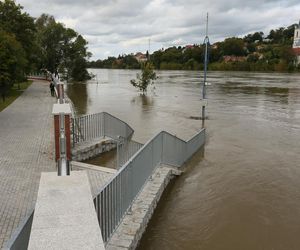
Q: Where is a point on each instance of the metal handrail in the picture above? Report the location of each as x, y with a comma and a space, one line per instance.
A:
98, 125
115, 198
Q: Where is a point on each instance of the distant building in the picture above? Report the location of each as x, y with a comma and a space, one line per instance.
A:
234, 58
215, 45
296, 43
267, 40
188, 47
259, 47
260, 56
140, 57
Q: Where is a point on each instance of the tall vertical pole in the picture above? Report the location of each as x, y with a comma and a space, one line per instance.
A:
148, 50
206, 41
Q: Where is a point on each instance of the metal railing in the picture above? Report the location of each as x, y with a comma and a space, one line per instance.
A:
88, 127
126, 148
177, 151
116, 197
38, 76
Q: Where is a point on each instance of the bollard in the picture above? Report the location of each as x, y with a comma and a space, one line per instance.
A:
60, 92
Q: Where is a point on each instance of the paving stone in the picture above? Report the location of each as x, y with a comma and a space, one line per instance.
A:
26, 150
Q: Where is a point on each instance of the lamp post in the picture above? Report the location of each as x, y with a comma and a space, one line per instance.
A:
206, 42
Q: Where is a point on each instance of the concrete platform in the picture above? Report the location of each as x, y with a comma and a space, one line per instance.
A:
92, 167
98, 176
65, 216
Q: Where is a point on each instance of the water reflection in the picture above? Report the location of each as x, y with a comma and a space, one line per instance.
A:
107, 159
77, 92
144, 100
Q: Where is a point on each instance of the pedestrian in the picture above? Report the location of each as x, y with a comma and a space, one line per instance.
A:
56, 74
52, 88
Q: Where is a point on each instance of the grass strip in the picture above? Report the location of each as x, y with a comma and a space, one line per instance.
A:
14, 93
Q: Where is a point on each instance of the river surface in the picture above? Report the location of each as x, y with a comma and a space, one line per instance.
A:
243, 191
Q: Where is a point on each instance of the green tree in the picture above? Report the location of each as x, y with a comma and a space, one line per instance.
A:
156, 58
251, 38
130, 62
21, 25
78, 56
282, 35
233, 46
172, 55
62, 48
12, 62
147, 77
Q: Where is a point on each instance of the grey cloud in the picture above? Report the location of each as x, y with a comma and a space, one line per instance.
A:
124, 26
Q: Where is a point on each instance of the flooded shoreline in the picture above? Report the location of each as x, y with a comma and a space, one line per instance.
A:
243, 192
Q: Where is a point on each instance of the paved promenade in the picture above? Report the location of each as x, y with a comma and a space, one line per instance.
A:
26, 150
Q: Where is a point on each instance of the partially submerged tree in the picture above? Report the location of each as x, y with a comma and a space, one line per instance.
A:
145, 78
62, 48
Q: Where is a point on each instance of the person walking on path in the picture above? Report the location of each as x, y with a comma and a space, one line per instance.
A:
56, 74
52, 88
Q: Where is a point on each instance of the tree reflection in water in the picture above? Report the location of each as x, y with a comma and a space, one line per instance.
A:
78, 94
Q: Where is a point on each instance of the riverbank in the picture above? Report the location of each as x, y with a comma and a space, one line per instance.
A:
224, 67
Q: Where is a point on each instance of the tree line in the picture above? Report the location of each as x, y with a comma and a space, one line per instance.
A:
30, 44
254, 51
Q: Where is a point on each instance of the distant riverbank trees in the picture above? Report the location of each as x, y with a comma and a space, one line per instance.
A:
254, 52
30, 45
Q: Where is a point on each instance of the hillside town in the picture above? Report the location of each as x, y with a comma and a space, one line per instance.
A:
277, 51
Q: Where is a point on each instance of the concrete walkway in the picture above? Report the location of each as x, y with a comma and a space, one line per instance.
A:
26, 150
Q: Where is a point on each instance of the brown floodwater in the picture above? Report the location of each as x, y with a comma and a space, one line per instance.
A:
243, 190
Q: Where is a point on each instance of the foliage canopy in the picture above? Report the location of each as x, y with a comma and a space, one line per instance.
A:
29, 45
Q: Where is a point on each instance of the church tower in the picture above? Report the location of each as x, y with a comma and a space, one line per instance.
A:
296, 43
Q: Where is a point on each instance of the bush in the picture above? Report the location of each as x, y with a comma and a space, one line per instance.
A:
147, 77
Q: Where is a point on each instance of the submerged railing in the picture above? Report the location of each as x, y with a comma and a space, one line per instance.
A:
88, 127
115, 198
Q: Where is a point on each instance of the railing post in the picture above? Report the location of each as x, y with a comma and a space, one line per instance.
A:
104, 125
62, 133
73, 131
118, 154
60, 92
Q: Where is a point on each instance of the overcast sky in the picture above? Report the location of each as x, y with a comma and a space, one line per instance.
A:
114, 27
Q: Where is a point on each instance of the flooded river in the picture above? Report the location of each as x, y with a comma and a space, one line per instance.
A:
243, 191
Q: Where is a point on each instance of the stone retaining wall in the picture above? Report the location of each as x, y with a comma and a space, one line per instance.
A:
131, 229
91, 149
